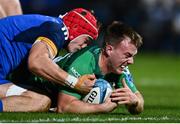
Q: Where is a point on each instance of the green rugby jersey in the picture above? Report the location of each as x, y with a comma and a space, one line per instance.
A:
82, 62
86, 62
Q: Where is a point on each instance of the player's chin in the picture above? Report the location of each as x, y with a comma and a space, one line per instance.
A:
119, 71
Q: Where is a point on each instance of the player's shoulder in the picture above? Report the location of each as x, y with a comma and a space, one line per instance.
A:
40, 17
53, 24
45, 21
88, 52
55, 30
81, 56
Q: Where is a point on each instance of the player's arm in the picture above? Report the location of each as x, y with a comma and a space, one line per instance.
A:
40, 63
2, 12
125, 96
70, 104
10, 7
138, 107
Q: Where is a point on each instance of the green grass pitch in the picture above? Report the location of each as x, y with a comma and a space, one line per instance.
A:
156, 76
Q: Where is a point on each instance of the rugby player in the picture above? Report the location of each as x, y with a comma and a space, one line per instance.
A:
32, 41
110, 62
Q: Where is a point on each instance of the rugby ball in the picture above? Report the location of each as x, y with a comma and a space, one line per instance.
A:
99, 92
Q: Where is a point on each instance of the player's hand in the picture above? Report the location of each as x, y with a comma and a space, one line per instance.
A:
108, 105
124, 95
85, 83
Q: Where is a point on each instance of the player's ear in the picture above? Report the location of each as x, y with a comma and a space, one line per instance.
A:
108, 49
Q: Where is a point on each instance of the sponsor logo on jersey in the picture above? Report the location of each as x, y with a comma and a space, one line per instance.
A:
76, 74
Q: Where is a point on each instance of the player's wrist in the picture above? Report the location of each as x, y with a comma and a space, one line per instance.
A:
71, 81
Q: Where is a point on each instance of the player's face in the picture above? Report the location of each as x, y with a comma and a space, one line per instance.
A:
78, 43
121, 55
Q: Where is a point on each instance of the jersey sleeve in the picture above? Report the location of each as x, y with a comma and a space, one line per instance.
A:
53, 34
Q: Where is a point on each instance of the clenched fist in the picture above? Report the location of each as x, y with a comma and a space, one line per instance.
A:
85, 83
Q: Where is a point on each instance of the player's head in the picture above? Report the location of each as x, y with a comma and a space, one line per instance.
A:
120, 45
80, 23
117, 31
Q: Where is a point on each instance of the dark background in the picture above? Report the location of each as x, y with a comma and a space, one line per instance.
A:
158, 21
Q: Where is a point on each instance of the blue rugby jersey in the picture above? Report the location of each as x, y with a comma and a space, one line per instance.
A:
18, 33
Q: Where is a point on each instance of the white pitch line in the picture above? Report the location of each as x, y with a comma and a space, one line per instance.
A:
79, 119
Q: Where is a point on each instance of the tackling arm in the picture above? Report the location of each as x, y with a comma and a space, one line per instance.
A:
40, 63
